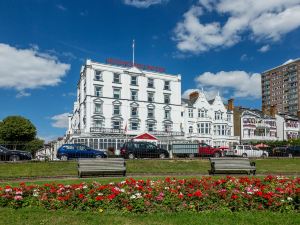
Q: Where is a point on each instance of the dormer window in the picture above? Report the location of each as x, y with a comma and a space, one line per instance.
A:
98, 75
150, 83
116, 78
133, 80
167, 85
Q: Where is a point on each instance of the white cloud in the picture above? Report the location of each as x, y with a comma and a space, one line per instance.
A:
61, 7
257, 20
240, 83
144, 3
22, 94
60, 121
23, 69
264, 48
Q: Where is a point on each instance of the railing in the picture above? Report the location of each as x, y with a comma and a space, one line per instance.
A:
106, 130
166, 133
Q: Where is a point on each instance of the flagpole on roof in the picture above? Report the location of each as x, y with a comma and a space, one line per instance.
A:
133, 52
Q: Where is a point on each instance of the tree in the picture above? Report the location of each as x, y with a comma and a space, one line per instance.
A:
34, 145
17, 129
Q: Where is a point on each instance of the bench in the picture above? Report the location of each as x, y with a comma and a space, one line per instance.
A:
102, 167
231, 165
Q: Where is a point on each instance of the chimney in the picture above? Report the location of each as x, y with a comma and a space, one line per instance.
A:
194, 96
298, 114
230, 104
273, 111
263, 109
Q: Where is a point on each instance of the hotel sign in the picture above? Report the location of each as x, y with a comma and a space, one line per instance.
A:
130, 64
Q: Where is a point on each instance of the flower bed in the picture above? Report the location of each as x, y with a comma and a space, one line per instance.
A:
169, 195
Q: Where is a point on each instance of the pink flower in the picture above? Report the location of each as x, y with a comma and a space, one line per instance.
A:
18, 197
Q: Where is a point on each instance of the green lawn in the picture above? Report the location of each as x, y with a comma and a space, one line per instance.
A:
41, 216
159, 167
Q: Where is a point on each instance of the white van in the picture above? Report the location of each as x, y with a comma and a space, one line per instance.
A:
246, 151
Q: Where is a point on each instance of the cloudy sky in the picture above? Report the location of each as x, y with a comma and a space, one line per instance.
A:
217, 45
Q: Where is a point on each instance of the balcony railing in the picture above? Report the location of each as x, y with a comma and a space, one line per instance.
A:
166, 133
106, 130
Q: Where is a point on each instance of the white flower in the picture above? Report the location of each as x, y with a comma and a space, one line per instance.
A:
132, 197
289, 199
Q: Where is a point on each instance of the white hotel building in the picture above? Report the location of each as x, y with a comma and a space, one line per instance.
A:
115, 103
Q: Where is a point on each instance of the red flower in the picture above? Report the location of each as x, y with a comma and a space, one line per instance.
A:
198, 194
99, 198
81, 196
111, 197
234, 197
180, 196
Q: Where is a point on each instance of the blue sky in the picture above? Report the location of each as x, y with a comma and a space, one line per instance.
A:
219, 45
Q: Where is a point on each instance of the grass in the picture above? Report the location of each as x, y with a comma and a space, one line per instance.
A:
159, 167
39, 216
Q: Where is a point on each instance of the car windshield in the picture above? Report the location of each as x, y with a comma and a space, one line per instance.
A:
3, 148
255, 148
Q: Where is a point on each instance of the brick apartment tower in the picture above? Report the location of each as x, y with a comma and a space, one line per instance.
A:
281, 88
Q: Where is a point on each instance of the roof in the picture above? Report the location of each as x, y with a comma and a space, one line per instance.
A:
145, 136
285, 64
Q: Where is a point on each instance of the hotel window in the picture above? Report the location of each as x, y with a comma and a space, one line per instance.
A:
98, 75
218, 115
117, 93
191, 113
150, 83
98, 91
150, 113
150, 127
116, 124
202, 113
134, 125
167, 99
190, 129
98, 108
133, 80
167, 127
116, 78
167, 114
98, 123
150, 97
116, 110
134, 111
134, 95
167, 85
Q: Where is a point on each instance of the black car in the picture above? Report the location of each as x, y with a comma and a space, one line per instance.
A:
293, 151
282, 151
139, 149
13, 155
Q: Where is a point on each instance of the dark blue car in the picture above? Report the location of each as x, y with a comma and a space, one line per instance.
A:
74, 151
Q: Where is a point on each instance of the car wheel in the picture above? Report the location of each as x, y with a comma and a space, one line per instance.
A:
217, 155
64, 158
14, 158
99, 156
244, 155
131, 156
264, 155
162, 156
191, 156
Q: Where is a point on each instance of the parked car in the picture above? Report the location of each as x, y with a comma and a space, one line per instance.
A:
13, 155
74, 151
282, 151
195, 150
246, 151
207, 150
134, 149
293, 151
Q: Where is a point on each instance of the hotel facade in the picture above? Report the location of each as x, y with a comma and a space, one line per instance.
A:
116, 103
